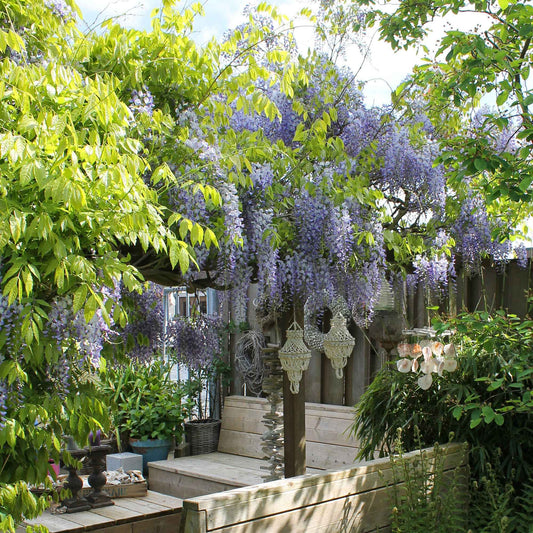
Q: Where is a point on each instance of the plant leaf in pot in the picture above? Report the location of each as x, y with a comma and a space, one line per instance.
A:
149, 408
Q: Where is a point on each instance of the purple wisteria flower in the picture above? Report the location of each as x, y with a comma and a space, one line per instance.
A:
143, 335
521, 255
3, 402
194, 341
142, 101
60, 9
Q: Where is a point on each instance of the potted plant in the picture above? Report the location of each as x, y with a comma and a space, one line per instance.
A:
201, 429
196, 342
148, 409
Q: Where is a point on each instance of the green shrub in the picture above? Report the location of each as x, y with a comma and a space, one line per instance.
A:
393, 402
144, 401
487, 402
491, 504
425, 497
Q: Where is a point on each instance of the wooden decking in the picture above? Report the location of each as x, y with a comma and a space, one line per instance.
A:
208, 473
352, 500
153, 513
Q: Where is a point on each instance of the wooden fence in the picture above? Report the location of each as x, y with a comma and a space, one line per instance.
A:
493, 288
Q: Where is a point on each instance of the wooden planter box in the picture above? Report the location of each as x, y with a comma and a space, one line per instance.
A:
126, 490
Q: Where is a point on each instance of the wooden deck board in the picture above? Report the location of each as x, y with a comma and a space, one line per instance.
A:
346, 500
146, 514
164, 500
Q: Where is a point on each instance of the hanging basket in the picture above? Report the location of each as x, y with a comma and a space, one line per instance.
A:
203, 435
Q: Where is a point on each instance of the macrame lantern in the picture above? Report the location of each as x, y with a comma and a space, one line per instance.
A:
338, 344
294, 356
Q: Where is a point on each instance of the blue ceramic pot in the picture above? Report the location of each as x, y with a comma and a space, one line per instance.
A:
151, 450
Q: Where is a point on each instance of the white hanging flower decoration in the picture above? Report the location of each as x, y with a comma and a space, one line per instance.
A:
404, 365
437, 358
437, 348
425, 381
404, 349
450, 365
449, 350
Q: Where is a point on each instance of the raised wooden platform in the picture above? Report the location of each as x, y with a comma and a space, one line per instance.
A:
239, 461
153, 513
208, 473
353, 500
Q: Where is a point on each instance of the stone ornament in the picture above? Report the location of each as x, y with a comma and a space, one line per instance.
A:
295, 356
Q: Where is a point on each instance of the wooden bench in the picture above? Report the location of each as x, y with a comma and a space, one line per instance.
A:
239, 458
153, 513
356, 499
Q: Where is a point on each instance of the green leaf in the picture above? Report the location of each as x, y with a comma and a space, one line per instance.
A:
457, 412
197, 234
79, 298
498, 419
475, 422
488, 414
173, 254
184, 260
91, 305
185, 227
11, 438
502, 98
480, 164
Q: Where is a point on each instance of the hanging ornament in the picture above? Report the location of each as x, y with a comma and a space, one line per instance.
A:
313, 337
386, 296
294, 356
338, 344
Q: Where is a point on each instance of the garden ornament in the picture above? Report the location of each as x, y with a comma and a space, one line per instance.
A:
338, 343
295, 356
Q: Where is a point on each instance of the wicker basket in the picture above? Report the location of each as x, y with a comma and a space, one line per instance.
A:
202, 435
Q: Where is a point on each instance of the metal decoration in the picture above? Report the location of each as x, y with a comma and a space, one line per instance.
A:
249, 360
338, 344
273, 438
295, 356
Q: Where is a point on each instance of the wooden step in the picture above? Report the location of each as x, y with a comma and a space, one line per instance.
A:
188, 477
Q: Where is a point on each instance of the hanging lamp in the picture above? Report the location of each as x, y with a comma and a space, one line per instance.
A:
338, 344
294, 356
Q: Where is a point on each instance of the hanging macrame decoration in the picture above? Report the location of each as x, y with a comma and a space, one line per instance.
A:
338, 343
295, 356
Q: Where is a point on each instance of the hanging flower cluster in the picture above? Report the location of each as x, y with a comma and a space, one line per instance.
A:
195, 340
435, 357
